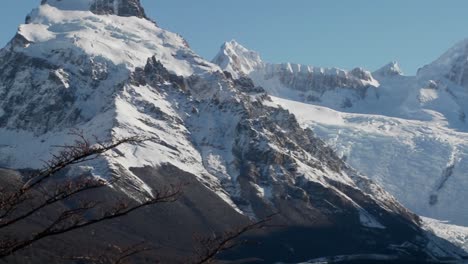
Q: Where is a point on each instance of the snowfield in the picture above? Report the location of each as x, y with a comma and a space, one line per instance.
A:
409, 157
127, 41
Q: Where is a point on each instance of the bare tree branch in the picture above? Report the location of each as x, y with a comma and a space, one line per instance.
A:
114, 255
73, 219
40, 192
132, 251
210, 247
81, 151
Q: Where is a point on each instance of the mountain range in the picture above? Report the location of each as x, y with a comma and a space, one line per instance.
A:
407, 133
246, 135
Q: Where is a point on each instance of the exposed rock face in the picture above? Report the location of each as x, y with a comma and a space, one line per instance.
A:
65, 89
304, 78
295, 81
126, 8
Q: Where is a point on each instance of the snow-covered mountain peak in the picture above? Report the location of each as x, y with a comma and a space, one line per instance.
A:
238, 60
233, 44
296, 81
419, 123
390, 69
124, 8
452, 65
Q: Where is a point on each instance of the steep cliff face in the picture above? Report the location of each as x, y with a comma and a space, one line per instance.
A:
126, 8
119, 74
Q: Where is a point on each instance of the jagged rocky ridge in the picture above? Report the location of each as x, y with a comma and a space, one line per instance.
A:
311, 84
114, 76
438, 87
406, 132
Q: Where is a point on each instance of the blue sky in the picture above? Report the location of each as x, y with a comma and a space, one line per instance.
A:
341, 33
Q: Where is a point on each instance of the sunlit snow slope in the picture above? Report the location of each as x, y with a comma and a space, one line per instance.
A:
423, 163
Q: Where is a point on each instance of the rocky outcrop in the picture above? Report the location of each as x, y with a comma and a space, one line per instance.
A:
126, 8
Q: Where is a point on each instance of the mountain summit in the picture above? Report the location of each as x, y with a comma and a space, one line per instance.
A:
236, 59
391, 69
124, 8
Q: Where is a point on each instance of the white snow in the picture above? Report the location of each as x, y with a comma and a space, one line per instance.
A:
127, 41
304, 112
391, 69
109, 47
36, 32
427, 95
457, 235
238, 60
402, 155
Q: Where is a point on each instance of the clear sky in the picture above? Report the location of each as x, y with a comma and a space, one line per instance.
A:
341, 33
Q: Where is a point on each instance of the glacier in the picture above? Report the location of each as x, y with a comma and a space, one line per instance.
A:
408, 133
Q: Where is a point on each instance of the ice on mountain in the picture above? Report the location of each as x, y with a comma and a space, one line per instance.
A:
400, 130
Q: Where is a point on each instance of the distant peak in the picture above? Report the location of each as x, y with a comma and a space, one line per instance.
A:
390, 69
452, 65
232, 44
236, 59
126, 8
235, 47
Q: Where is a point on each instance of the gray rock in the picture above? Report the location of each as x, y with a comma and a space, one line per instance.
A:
124, 8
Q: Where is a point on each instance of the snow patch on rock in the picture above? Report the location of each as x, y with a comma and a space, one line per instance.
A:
458, 235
